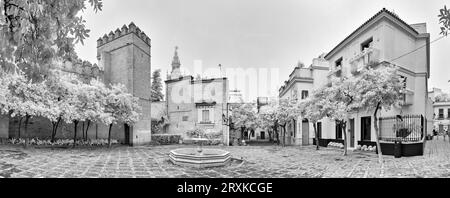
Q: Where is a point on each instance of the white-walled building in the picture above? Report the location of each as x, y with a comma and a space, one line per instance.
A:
384, 39
441, 109
302, 81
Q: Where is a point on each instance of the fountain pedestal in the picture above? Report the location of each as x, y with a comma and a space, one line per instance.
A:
200, 157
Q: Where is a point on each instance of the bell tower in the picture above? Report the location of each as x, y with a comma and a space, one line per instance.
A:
176, 71
125, 57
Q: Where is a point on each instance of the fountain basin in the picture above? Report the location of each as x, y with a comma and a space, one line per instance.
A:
206, 159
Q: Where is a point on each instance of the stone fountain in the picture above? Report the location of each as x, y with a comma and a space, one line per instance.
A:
200, 157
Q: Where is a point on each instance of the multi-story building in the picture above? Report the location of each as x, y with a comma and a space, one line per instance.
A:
302, 81
384, 39
196, 103
441, 109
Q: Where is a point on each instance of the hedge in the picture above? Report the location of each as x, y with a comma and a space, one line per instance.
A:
166, 139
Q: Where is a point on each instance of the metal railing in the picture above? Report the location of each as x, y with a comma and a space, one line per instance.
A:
405, 128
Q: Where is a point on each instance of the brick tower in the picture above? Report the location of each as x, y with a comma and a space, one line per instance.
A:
125, 57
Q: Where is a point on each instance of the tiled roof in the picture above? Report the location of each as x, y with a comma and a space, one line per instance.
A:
368, 21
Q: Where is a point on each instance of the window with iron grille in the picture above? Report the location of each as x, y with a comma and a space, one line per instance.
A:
205, 116
441, 113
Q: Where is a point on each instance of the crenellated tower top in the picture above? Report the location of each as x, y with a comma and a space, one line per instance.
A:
125, 30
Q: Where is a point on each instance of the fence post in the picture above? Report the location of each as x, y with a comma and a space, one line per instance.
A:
422, 119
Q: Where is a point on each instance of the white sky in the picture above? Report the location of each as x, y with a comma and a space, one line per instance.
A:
257, 33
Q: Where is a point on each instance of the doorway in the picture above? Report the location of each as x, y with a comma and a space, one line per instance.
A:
365, 128
305, 132
127, 140
352, 133
263, 135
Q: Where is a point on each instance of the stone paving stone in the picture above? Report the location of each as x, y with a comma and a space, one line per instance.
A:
269, 161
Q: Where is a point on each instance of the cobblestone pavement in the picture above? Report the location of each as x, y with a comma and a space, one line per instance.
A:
258, 161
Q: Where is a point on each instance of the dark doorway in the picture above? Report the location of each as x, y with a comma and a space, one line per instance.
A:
319, 130
263, 135
127, 135
365, 128
352, 133
338, 131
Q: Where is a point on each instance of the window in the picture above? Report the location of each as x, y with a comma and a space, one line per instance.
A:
338, 65
304, 94
367, 44
441, 113
185, 118
205, 116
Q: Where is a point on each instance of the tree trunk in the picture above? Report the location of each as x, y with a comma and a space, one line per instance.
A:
344, 128
375, 124
109, 135
82, 131
75, 133
317, 135
55, 129
87, 129
20, 123
53, 132
284, 135
27, 117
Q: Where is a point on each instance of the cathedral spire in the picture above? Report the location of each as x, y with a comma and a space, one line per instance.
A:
176, 73
176, 60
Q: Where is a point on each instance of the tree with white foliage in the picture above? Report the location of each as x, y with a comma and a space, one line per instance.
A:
287, 112
244, 117
23, 98
267, 118
120, 106
35, 32
378, 89
314, 109
342, 101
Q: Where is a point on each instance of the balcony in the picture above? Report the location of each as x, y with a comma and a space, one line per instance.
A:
407, 98
337, 72
368, 57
